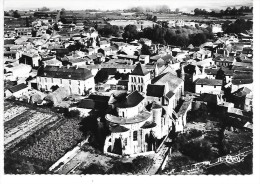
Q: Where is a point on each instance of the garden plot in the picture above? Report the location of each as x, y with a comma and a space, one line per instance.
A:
14, 111
18, 120
56, 143
36, 121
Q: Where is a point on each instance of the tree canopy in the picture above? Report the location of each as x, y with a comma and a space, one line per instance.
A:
130, 32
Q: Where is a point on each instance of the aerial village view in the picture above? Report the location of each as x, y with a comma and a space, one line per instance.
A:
137, 90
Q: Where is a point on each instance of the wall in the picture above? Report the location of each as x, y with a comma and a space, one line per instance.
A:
208, 89
76, 86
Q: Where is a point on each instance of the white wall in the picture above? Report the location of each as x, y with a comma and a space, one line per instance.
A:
208, 89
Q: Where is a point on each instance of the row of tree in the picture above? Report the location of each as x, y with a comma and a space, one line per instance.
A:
172, 36
227, 12
239, 26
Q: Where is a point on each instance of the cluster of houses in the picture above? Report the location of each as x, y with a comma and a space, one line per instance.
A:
146, 92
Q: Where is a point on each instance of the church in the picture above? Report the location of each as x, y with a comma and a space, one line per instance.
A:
146, 114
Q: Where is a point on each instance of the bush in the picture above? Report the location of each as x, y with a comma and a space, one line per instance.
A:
121, 168
194, 133
199, 150
141, 162
94, 168
71, 114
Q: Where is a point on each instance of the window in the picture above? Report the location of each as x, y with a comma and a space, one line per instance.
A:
214, 86
123, 114
250, 102
52, 80
61, 81
45, 79
125, 141
135, 136
70, 82
201, 85
79, 83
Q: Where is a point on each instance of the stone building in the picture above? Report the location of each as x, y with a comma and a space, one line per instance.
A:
79, 80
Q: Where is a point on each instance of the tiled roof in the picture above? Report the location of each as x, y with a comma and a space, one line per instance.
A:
155, 90
148, 124
64, 72
18, 87
210, 98
242, 92
242, 81
209, 82
140, 70
169, 77
92, 104
118, 129
169, 94
132, 100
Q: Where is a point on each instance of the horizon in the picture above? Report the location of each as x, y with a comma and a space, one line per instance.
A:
183, 5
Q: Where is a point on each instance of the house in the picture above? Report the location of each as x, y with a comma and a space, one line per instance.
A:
18, 70
23, 31
52, 61
241, 79
145, 41
224, 61
30, 59
78, 80
201, 54
17, 91
103, 44
208, 86
243, 99
144, 59
11, 54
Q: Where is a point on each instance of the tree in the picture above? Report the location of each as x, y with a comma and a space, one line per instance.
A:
6, 13
94, 168
130, 32
145, 50
101, 76
27, 22
44, 9
155, 18
16, 14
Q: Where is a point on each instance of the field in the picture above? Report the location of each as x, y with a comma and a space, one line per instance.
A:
43, 137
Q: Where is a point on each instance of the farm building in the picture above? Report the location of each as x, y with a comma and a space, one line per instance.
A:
17, 91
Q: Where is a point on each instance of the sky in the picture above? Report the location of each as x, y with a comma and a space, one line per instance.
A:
185, 5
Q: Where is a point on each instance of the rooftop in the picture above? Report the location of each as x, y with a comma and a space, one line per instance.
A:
209, 82
142, 116
140, 70
169, 77
18, 87
132, 100
64, 72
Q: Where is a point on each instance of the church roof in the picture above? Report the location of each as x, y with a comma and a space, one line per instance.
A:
155, 90
169, 77
140, 70
132, 100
